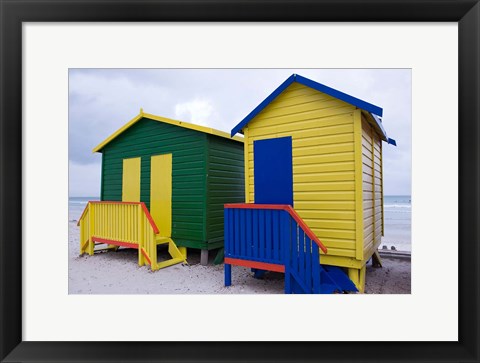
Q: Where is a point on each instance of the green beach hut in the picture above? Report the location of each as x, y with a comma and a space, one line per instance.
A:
184, 173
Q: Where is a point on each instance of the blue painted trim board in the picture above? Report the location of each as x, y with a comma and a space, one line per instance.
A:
340, 95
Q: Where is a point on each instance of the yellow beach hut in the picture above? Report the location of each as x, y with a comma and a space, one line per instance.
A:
332, 175
163, 182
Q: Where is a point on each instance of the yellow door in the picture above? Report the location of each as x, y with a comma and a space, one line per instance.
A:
131, 180
161, 193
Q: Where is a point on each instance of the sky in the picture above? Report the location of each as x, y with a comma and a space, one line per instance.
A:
103, 100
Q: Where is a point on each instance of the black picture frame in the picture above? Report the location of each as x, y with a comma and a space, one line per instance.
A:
13, 13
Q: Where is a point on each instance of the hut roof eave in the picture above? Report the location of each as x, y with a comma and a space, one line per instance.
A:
373, 111
183, 124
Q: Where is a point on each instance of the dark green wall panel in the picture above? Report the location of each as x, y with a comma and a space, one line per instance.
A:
225, 181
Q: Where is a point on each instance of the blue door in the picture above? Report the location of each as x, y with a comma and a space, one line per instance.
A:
273, 175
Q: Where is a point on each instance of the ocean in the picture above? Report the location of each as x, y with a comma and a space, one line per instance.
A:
76, 205
397, 213
398, 222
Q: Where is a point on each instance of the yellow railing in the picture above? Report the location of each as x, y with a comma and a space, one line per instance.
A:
127, 224
84, 223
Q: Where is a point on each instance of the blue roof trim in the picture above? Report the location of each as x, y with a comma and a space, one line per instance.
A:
340, 95
378, 121
372, 109
392, 142
262, 105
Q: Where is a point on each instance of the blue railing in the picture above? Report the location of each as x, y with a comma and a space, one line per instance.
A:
255, 234
302, 269
275, 238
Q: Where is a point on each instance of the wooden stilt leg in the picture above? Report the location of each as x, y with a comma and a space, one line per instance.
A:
376, 260
358, 277
362, 273
204, 257
353, 275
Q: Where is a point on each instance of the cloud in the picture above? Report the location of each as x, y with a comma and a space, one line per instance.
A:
197, 111
84, 179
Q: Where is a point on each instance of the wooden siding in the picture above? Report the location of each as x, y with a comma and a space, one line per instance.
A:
322, 130
188, 147
225, 183
372, 189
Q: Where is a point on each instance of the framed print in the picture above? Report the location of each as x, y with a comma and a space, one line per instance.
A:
200, 101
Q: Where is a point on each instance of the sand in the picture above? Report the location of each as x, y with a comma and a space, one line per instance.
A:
119, 273
393, 278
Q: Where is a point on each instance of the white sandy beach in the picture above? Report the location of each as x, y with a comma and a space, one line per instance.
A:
119, 273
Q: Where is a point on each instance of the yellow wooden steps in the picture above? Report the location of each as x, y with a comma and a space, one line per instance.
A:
99, 225
162, 240
179, 254
171, 262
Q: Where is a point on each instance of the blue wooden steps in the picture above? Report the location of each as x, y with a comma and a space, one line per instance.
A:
273, 237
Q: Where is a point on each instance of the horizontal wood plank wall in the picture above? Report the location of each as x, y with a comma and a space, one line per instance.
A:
147, 138
225, 183
372, 188
379, 218
322, 134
